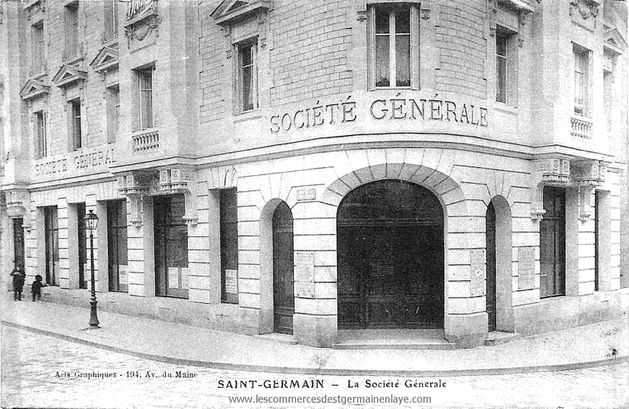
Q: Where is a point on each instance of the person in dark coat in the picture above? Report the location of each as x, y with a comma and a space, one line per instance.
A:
36, 288
18, 283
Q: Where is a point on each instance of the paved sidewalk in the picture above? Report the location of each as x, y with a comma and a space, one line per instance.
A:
592, 345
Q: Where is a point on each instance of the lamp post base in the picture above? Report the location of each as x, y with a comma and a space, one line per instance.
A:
93, 317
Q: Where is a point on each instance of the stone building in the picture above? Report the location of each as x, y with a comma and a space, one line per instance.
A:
321, 168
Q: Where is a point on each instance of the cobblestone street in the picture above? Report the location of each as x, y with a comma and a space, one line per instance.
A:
43, 371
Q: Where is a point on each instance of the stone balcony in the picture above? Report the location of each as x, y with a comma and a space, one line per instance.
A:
146, 140
581, 127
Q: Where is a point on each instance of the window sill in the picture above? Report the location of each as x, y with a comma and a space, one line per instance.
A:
248, 115
505, 108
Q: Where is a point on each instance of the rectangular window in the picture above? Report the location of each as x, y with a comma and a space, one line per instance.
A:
82, 243
145, 98
171, 246
117, 245
40, 134
248, 75
581, 80
229, 245
113, 113
75, 123
72, 30
501, 67
51, 238
553, 243
111, 20
37, 49
395, 34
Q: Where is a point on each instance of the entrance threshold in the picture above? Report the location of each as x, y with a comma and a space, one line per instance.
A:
500, 337
393, 339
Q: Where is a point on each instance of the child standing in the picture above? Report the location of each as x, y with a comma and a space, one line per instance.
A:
36, 288
18, 283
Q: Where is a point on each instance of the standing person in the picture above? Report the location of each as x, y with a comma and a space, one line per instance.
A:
36, 288
18, 283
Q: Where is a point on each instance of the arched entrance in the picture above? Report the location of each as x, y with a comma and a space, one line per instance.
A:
283, 266
390, 257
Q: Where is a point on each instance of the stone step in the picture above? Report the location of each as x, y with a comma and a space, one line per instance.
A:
500, 337
393, 339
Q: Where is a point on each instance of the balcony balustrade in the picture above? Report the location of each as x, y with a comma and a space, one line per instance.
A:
581, 127
145, 141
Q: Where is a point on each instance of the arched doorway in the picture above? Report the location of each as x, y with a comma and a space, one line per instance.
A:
390, 257
283, 266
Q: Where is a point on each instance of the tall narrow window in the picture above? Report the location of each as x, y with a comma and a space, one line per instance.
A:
229, 245
75, 123
609, 61
111, 20
395, 33
501, 67
37, 49
581, 80
248, 75
145, 106
72, 30
113, 113
40, 133
51, 238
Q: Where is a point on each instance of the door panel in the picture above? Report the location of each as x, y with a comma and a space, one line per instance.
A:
283, 269
117, 245
80, 210
18, 243
390, 257
553, 243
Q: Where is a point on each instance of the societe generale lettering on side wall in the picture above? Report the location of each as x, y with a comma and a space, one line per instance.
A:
72, 164
394, 111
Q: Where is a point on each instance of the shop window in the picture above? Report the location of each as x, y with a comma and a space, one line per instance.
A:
111, 20
37, 49
113, 112
581, 88
506, 68
229, 245
81, 243
40, 135
117, 245
71, 30
247, 80
394, 46
74, 111
145, 113
51, 237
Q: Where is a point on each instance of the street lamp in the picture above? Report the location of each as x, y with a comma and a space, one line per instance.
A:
91, 222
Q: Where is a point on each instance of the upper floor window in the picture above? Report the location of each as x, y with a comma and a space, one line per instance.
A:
506, 68
394, 46
37, 48
111, 20
75, 123
71, 30
113, 112
41, 143
247, 75
581, 88
609, 61
145, 115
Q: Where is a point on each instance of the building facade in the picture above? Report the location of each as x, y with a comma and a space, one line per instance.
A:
311, 167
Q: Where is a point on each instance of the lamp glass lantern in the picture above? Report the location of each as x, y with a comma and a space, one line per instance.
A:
91, 221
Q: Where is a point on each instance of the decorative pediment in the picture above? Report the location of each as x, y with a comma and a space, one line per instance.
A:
518, 5
106, 59
34, 88
614, 41
587, 8
67, 75
229, 11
